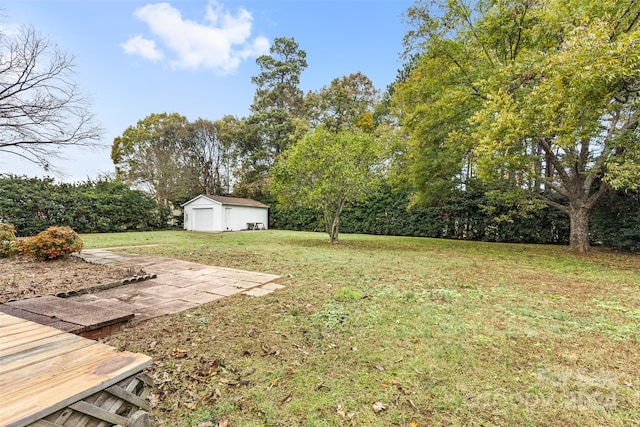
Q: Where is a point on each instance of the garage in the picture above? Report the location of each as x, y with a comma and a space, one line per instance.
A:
203, 219
224, 213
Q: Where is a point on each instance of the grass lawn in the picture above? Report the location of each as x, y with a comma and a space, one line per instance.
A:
396, 331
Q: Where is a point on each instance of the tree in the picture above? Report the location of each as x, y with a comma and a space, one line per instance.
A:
41, 109
278, 98
155, 156
277, 103
326, 170
346, 103
214, 153
537, 93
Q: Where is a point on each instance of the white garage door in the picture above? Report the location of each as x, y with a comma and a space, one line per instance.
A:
203, 219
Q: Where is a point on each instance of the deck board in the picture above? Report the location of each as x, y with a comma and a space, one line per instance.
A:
43, 370
40, 356
33, 345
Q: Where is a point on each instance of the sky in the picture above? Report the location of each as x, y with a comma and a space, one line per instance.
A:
196, 57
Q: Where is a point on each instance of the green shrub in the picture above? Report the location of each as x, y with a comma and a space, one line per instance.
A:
52, 243
102, 206
9, 245
615, 220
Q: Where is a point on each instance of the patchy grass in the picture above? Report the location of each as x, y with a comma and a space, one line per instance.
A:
384, 331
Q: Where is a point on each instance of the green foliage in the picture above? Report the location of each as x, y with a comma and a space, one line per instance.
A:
153, 153
470, 215
278, 103
541, 93
459, 214
33, 204
52, 243
326, 170
347, 103
477, 213
175, 160
9, 245
277, 83
616, 220
297, 218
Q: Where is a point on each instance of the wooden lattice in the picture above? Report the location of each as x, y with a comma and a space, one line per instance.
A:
123, 404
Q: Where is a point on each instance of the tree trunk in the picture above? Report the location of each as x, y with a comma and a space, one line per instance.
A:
335, 226
579, 234
332, 220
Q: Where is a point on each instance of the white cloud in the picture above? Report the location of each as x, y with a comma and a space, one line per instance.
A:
220, 42
138, 45
10, 29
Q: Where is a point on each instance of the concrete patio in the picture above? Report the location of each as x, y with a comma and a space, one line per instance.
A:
178, 286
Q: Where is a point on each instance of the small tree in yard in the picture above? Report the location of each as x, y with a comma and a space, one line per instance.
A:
326, 170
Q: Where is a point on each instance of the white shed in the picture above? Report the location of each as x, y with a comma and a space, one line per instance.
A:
221, 213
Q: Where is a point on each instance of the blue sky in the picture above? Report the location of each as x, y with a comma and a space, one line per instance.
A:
197, 57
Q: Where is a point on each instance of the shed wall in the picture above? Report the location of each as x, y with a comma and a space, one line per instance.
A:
237, 217
203, 214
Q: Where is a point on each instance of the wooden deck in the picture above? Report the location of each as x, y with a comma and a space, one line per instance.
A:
44, 370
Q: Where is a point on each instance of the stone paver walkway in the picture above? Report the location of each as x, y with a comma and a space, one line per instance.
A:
179, 285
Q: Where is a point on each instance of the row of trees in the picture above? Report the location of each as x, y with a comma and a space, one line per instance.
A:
34, 204
536, 99
290, 143
174, 159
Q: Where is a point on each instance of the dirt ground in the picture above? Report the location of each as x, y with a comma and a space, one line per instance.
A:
23, 277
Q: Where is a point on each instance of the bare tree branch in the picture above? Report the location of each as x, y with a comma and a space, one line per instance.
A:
41, 108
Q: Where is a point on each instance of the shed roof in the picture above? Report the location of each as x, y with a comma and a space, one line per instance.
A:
226, 200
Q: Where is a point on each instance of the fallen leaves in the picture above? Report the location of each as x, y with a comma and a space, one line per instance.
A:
223, 423
201, 386
379, 407
397, 385
207, 369
23, 277
344, 415
180, 353
267, 351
